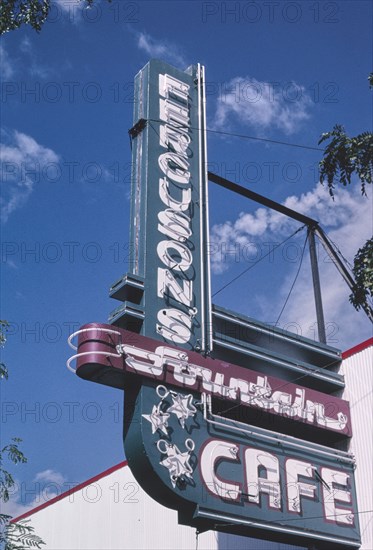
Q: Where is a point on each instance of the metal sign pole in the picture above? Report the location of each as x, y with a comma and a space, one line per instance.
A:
316, 287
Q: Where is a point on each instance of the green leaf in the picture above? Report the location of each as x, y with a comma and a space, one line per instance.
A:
21, 536
363, 272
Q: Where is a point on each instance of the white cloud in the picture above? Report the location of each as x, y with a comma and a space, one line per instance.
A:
74, 11
67, 6
347, 208
348, 222
14, 507
46, 485
19, 154
161, 49
6, 67
32, 62
25, 45
51, 483
50, 476
26, 63
262, 105
344, 326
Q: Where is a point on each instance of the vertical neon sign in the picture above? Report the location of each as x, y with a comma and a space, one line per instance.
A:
169, 235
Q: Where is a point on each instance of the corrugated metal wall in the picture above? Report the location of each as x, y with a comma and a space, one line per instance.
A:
358, 372
114, 513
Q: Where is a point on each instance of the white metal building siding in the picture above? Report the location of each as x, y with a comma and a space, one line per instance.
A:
114, 513
358, 372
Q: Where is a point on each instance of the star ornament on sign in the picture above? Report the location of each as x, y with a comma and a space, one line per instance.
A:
176, 462
183, 407
158, 419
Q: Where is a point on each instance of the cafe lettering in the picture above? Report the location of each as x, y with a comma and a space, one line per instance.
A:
272, 483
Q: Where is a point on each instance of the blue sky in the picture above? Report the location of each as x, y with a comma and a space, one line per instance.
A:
287, 72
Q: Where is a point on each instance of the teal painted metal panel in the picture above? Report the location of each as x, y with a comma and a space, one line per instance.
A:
226, 475
169, 196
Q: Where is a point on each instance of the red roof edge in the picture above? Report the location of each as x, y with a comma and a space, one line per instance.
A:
71, 491
359, 347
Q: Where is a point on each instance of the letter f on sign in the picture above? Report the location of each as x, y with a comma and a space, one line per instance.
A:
295, 488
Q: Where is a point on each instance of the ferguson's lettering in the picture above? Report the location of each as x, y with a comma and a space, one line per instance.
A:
171, 201
167, 283
175, 222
